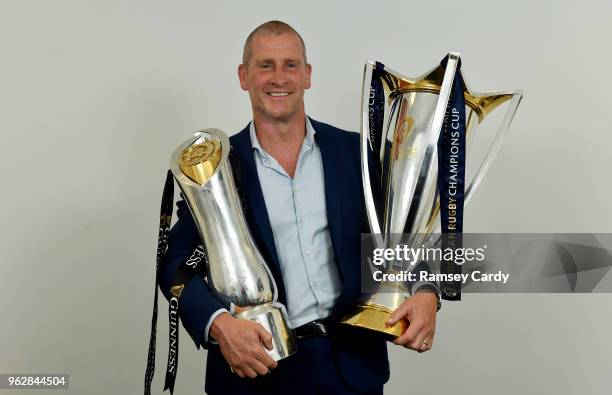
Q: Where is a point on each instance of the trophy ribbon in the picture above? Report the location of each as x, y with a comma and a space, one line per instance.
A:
189, 268
451, 180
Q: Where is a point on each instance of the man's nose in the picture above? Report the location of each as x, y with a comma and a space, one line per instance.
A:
279, 77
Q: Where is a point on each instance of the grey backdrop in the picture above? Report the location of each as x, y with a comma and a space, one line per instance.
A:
94, 96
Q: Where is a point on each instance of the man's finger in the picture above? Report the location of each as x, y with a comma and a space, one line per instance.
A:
249, 372
411, 333
265, 358
428, 346
398, 314
259, 367
265, 336
422, 341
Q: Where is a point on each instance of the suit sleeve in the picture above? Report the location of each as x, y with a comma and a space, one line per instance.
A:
197, 304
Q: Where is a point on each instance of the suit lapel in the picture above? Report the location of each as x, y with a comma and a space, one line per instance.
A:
256, 211
332, 173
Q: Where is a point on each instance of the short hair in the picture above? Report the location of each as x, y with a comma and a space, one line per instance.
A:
271, 27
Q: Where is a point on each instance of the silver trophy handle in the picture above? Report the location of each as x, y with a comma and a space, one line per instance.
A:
365, 166
517, 96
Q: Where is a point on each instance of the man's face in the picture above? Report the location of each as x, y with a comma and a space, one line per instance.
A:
276, 76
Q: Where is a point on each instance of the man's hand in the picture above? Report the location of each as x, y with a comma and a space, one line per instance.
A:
241, 342
420, 311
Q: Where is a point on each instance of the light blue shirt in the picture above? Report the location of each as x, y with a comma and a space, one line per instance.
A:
298, 217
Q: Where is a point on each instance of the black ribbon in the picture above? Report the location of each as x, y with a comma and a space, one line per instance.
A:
173, 344
196, 263
376, 114
165, 218
376, 109
189, 268
451, 181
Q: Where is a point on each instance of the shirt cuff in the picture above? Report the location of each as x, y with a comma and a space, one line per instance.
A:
210, 321
427, 286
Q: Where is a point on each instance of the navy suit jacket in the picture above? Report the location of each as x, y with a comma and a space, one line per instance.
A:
360, 356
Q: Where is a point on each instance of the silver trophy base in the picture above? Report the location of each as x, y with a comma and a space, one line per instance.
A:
273, 317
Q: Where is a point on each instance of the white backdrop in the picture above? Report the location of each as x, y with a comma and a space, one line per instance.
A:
94, 96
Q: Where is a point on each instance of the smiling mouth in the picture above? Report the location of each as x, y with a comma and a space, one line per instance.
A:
278, 94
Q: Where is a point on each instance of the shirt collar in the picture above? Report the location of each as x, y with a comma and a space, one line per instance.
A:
306, 144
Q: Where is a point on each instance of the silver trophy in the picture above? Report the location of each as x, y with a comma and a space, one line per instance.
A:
237, 274
405, 151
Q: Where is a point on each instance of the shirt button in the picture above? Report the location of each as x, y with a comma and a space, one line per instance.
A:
307, 252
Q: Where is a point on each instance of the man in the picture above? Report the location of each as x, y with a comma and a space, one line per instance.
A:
302, 187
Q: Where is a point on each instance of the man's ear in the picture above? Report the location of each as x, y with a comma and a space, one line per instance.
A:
308, 74
242, 76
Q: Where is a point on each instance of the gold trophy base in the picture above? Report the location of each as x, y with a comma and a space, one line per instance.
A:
373, 317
